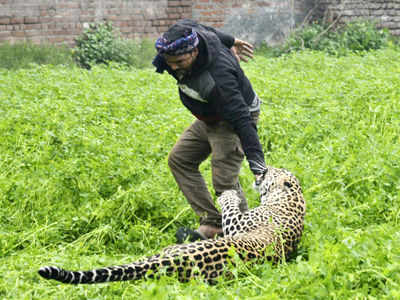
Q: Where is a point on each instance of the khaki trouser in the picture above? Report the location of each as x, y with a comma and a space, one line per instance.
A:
194, 146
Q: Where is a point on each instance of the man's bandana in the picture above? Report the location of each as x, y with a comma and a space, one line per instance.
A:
180, 46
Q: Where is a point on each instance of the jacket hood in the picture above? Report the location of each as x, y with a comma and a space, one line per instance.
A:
211, 47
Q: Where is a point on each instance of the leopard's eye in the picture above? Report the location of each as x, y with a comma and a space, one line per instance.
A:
288, 184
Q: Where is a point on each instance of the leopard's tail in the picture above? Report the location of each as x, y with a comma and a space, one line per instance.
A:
133, 271
204, 258
179, 259
116, 273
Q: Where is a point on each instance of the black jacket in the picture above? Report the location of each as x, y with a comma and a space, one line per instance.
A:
217, 89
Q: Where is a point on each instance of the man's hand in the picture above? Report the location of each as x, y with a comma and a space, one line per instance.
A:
257, 181
242, 50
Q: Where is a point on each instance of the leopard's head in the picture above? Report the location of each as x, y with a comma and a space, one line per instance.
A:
278, 184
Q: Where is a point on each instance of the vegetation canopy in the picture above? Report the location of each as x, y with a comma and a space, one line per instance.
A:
84, 180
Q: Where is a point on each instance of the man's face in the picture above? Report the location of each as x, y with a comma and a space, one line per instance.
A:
181, 64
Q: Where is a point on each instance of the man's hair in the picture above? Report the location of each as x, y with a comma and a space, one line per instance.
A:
176, 32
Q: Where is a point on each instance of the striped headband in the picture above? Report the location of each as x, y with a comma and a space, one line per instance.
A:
180, 46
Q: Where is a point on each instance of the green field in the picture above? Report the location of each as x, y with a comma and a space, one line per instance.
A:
84, 180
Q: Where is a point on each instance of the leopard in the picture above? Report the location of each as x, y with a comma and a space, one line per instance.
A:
268, 232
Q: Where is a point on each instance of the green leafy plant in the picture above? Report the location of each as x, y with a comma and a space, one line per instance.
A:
314, 37
102, 44
96, 45
358, 36
363, 36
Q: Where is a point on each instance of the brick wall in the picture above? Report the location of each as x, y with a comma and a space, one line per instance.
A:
385, 12
60, 21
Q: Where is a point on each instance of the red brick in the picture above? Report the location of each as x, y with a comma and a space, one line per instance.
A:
210, 19
36, 39
186, 15
264, 4
51, 26
18, 27
68, 5
5, 20
73, 5
18, 33
139, 18
86, 19
172, 9
124, 24
44, 20
187, 2
31, 33
217, 25
163, 29
31, 20
87, 12
173, 16
125, 29
65, 32
202, 6
17, 20
56, 39
5, 34
112, 18
212, 13
136, 11
174, 3
33, 26
149, 29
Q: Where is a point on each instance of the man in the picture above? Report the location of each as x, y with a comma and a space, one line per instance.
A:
205, 63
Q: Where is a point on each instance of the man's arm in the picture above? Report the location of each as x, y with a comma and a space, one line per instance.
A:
234, 110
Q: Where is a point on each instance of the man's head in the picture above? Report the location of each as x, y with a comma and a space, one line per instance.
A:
179, 47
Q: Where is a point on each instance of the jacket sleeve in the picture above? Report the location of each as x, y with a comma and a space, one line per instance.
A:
234, 110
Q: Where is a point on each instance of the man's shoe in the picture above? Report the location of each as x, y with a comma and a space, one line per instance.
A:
203, 233
186, 234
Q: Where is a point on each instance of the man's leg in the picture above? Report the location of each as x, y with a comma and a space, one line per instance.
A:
227, 158
184, 159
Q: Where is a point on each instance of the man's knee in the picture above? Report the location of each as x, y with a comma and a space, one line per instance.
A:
173, 159
176, 161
